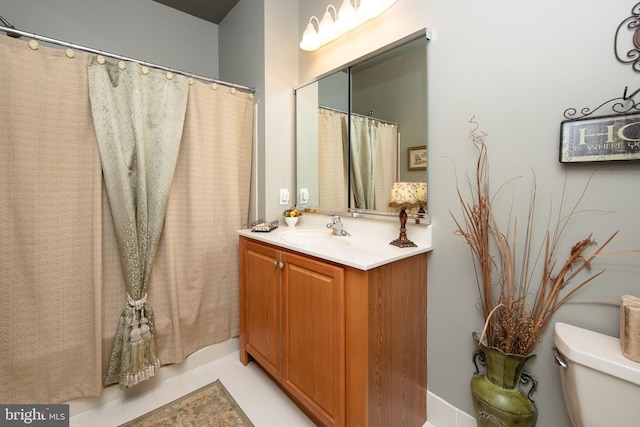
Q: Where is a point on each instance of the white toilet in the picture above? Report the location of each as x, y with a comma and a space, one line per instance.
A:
601, 387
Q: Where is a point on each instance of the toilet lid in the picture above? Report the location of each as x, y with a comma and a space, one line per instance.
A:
596, 351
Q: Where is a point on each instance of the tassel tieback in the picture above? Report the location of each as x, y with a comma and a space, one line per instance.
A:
141, 360
139, 323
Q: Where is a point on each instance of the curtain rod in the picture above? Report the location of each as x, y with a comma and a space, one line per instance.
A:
358, 115
12, 32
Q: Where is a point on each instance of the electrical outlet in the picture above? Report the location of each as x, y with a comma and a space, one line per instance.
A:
284, 196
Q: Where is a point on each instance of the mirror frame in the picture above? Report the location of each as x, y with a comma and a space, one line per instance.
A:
424, 219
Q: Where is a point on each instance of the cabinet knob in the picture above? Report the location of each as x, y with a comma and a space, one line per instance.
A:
281, 265
275, 263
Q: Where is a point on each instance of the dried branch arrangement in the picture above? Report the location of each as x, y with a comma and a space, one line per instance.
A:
514, 322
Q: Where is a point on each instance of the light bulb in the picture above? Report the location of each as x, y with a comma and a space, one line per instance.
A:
369, 9
327, 30
310, 39
347, 18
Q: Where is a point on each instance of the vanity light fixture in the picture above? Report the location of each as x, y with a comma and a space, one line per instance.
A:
328, 29
345, 19
310, 40
369, 9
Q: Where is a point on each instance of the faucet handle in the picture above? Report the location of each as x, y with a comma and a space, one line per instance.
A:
336, 219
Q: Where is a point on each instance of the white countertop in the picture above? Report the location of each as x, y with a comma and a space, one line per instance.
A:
367, 247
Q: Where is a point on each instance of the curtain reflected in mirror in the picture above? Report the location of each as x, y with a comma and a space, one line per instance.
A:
355, 128
374, 150
333, 170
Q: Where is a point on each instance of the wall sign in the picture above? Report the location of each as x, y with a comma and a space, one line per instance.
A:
600, 139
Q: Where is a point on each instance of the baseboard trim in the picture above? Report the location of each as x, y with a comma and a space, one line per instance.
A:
441, 413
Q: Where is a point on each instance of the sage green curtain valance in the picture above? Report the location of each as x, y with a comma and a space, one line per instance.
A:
138, 116
364, 141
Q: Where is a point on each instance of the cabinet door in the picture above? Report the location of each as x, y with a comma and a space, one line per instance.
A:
260, 305
313, 368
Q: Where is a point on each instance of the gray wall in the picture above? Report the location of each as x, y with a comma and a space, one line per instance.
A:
242, 59
281, 71
266, 56
141, 29
396, 91
516, 67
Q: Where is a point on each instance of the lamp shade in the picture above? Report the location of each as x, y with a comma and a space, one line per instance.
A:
310, 39
404, 195
421, 194
347, 18
369, 9
327, 30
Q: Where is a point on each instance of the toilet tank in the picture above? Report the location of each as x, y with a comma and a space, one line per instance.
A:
601, 387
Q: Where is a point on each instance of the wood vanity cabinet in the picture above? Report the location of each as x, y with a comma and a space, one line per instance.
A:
348, 345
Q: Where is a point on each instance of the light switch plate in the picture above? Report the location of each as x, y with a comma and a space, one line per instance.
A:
284, 196
304, 196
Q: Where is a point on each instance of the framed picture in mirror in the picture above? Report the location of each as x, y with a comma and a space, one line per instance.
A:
417, 158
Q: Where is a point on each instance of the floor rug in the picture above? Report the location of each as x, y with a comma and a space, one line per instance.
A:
211, 405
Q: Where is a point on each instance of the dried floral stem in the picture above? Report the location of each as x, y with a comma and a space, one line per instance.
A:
503, 283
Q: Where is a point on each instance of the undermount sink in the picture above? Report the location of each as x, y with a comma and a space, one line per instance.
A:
315, 238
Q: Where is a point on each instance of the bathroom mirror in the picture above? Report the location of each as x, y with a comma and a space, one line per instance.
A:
360, 129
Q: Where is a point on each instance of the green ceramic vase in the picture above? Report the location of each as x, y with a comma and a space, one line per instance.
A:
497, 398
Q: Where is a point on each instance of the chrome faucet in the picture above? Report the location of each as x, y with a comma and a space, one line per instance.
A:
336, 226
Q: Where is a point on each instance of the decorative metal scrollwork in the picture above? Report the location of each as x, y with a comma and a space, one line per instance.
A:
478, 357
525, 378
627, 39
626, 46
622, 105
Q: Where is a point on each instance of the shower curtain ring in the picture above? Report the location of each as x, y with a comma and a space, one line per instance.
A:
33, 43
69, 52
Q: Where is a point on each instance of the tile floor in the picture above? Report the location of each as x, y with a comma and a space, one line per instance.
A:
263, 402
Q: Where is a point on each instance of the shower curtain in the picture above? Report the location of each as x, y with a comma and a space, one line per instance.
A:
60, 271
363, 150
386, 166
138, 117
332, 164
374, 154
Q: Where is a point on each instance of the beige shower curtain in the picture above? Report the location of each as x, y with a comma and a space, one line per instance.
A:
332, 159
386, 168
60, 274
50, 233
375, 146
194, 284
